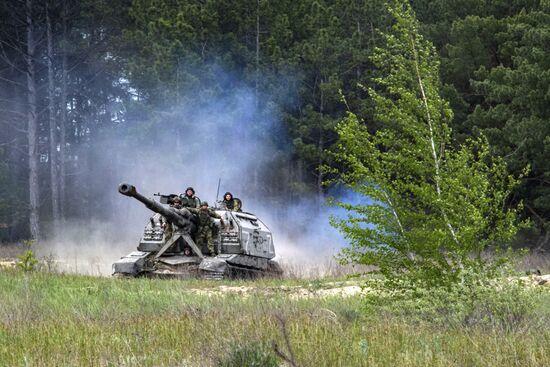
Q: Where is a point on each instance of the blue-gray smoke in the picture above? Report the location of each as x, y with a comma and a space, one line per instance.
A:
194, 144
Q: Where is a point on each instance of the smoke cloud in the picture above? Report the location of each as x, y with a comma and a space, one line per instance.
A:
193, 144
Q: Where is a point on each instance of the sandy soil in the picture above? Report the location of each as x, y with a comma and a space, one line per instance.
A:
327, 289
9, 253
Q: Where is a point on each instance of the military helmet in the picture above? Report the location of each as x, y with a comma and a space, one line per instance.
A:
204, 203
228, 193
190, 188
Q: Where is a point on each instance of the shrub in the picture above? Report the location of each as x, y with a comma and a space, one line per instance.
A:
254, 354
508, 305
27, 261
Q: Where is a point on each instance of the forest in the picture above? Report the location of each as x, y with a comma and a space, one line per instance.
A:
392, 159
83, 83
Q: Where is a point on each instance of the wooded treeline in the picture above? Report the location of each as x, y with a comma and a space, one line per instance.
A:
72, 70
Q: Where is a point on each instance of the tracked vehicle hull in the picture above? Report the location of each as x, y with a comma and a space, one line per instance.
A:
224, 266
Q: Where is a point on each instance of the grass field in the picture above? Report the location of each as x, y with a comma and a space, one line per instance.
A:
69, 320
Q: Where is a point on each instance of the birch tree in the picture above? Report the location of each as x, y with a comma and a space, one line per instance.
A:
430, 210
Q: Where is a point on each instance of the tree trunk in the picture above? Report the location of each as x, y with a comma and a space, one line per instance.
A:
256, 169
257, 51
63, 119
54, 176
320, 148
32, 126
543, 241
320, 176
358, 70
435, 157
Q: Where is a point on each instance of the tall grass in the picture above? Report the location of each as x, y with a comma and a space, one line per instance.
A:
69, 320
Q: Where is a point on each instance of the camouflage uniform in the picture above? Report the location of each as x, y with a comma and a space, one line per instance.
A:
233, 204
190, 201
205, 227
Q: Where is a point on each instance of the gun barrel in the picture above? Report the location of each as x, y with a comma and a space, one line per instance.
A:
182, 218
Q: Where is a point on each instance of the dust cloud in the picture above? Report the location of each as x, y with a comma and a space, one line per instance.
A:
193, 144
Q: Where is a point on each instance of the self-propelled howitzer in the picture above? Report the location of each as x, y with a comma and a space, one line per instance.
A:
244, 245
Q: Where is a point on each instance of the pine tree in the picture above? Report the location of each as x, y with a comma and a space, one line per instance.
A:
514, 112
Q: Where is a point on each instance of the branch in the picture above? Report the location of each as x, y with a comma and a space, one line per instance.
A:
390, 203
410, 255
14, 128
537, 216
13, 47
517, 149
287, 358
22, 114
43, 110
15, 13
8, 61
13, 81
10, 101
8, 142
41, 38
87, 54
24, 153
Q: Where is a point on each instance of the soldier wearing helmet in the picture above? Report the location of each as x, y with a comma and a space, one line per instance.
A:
231, 203
205, 226
189, 200
176, 202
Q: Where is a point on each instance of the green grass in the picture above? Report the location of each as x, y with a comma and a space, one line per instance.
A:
69, 320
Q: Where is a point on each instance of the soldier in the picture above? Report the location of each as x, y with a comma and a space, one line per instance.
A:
205, 226
176, 203
189, 200
231, 203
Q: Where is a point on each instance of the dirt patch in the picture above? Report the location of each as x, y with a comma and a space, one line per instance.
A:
341, 289
6, 263
543, 280
10, 251
325, 290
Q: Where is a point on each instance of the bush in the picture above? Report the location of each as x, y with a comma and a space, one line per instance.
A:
508, 305
27, 261
254, 354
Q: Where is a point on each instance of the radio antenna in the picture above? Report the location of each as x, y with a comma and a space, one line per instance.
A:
218, 191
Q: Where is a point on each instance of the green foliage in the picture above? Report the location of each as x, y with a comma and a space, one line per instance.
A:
253, 354
127, 59
495, 64
515, 113
27, 261
501, 304
307, 52
433, 209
